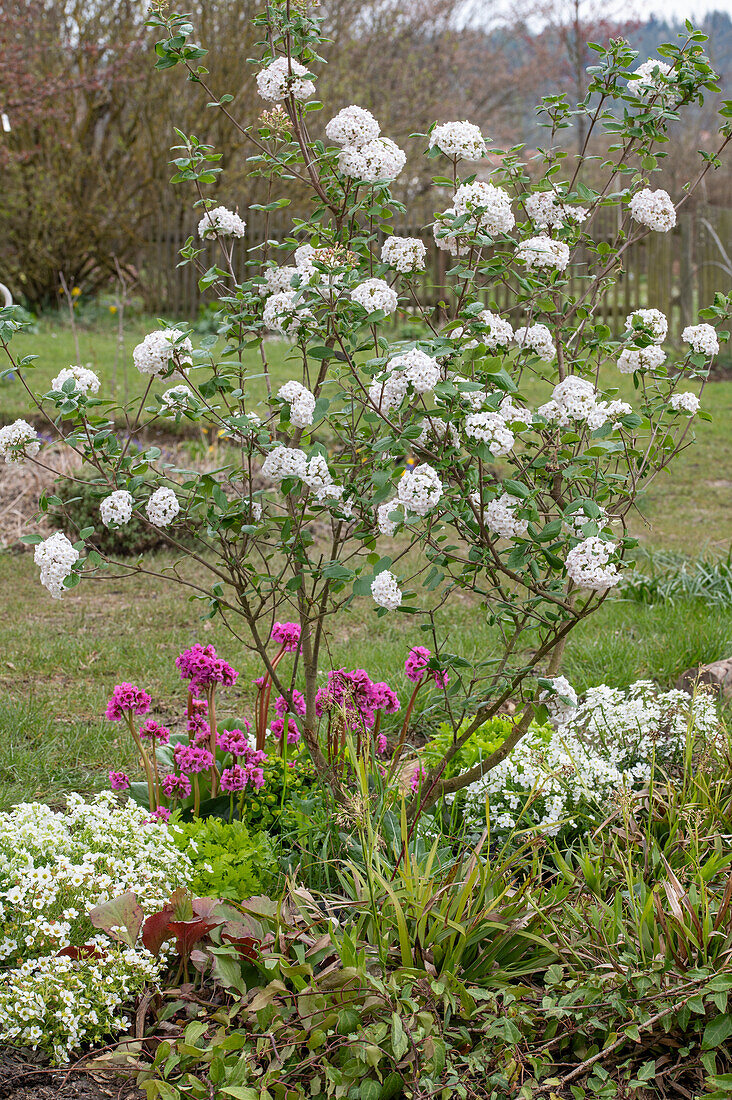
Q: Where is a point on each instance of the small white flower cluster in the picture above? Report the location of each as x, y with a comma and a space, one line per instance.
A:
546, 211
386, 591
162, 507
177, 398
541, 252
703, 339
589, 565
515, 415
575, 399
55, 557
577, 518
375, 294
492, 330
282, 78
380, 159
489, 206
386, 525
602, 747
54, 868
685, 402
18, 441
420, 489
650, 321
161, 350
404, 254
641, 359
559, 711
653, 209
537, 338
282, 462
490, 428
500, 517
85, 380
387, 391
353, 126
319, 480
116, 509
459, 139
437, 430
221, 222
301, 402
420, 370
653, 78
278, 280
284, 313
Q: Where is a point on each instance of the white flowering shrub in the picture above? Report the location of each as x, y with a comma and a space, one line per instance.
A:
523, 504
62, 982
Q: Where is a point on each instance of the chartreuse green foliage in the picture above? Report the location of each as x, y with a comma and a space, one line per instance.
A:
229, 860
483, 741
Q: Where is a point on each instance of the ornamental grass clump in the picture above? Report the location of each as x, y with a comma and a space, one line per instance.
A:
312, 508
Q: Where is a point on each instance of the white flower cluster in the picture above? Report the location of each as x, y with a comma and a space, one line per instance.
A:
404, 254
116, 509
177, 398
54, 868
319, 480
85, 380
653, 78
386, 525
386, 591
575, 399
537, 338
685, 402
546, 211
541, 252
420, 489
353, 126
284, 313
589, 565
380, 159
161, 350
282, 78
559, 711
18, 441
278, 280
642, 359
650, 321
437, 430
221, 222
458, 139
489, 206
603, 747
55, 557
653, 209
282, 462
490, 428
301, 402
577, 518
500, 517
375, 294
515, 415
703, 339
420, 370
162, 507
387, 391
492, 330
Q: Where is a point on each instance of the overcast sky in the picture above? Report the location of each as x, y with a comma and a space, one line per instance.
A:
686, 9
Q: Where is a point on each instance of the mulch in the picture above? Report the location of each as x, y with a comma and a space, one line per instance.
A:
26, 1076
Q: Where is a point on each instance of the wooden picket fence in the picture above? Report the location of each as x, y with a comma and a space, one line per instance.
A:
677, 272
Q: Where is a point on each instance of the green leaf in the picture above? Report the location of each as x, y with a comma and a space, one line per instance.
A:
399, 1041
717, 1031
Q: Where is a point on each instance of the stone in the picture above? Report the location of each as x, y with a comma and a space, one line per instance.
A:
718, 675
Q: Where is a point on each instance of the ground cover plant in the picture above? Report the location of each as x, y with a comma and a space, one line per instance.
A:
475, 866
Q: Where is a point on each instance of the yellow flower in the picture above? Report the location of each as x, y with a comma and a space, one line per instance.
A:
75, 292
112, 309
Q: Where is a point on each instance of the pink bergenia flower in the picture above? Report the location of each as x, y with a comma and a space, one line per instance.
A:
384, 698
288, 636
118, 781
127, 697
161, 814
298, 704
381, 744
234, 778
203, 667
293, 733
235, 741
192, 758
176, 786
419, 775
416, 664
256, 776
153, 731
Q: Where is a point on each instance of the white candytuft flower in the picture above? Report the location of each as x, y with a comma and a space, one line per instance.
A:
633, 359
589, 566
703, 339
380, 159
490, 329
575, 399
420, 370
653, 209
541, 252
385, 590
490, 428
537, 338
177, 398
18, 441
654, 77
685, 402
459, 139
221, 222
545, 210
162, 507
500, 517
354, 126
85, 380
420, 489
404, 254
55, 557
650, 321
375, 294
162, 350
282, 78
116, 509
282, 462
559, 711
283, 313
301, 402
489, 206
